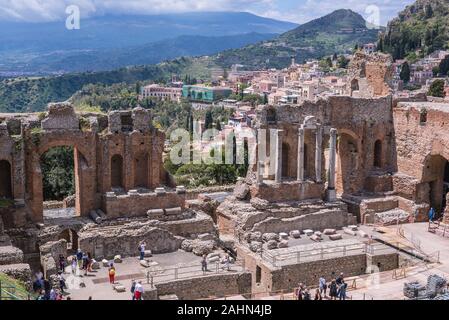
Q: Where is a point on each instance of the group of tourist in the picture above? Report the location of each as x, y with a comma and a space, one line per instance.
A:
337, 290
82, 261
47, 291
137, 290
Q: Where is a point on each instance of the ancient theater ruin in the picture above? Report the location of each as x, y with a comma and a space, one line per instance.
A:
335, 170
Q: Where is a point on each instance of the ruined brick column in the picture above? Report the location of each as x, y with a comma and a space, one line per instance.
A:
318, 152
300, 155
330, 192
278, 163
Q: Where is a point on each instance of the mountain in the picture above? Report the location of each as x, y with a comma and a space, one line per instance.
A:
152, 53
422, 26
338, 32
23, 43
32, 94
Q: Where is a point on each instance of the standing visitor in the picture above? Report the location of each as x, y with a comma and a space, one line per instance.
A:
333, 290
323, 286
112, 274
142, 250
74, 265
307, 295
62, 284
138, 291
342, 290
79, 259
204, 263
61, 263
133, 289
318, 295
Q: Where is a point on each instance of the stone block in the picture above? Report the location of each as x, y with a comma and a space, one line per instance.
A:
270, 236
350, 231
318, 233
255, 236
105, 263
283, 235
308, 232
335, 237
118, 259
95, 217
214, 259
144, 263
181, 190
148, 254
95, 265
272, 244
316, 238
329, 232
362, 234
255, 246
353, 228
155, 213
205, 237
295, 234
120, 288
283, 244
173, 211
160, 191
133, 193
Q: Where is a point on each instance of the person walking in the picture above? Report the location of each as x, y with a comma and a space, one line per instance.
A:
342, 293
112, 274
62, 284
79, 259
138, 292
323, 286
142, 250
318, 295
333, 290
133, 289
74, 265
62, 263
204, 263
85, 263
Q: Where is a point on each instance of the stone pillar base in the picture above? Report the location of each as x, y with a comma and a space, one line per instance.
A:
331, 195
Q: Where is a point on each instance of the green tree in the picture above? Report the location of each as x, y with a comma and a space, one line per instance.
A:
444, 66
57, 166
208, 122
436, 89
405, 72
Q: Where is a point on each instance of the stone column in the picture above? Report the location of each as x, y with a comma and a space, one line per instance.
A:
278, 161
318, 152
259, 173
331, 193
301, 155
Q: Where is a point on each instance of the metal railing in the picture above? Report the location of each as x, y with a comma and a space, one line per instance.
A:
280, 259
157, 275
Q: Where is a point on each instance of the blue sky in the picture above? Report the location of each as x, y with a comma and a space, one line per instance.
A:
298, 11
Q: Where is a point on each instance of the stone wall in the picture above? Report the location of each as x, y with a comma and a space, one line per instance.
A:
138, 204
124, 240
205, 287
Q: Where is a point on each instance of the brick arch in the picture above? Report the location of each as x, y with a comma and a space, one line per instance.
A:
117, 171
85, 171
5, 179
435, 174
349, 157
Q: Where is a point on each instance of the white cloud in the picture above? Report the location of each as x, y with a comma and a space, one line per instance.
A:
292, 10
50, 10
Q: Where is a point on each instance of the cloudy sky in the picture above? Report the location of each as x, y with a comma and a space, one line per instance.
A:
299, 11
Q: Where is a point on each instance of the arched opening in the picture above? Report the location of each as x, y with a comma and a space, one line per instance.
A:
436, 174
117, 171
285, 160
71, 237
5, 180
141, 171
354, 85
378, 154
62, 172
348, 164
306, 161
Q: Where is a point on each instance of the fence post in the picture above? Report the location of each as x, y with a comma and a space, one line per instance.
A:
148, 277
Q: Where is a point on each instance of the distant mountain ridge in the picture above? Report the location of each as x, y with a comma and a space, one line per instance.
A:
337, 32
151, 53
